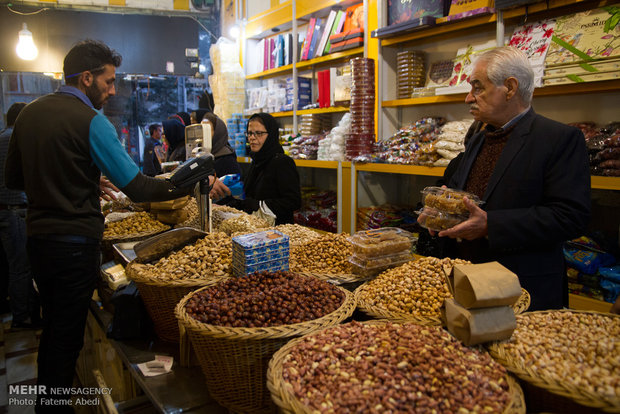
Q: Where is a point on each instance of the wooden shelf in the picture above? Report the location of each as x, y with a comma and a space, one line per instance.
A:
556, 90
578, 302
244, 160
401, 169
277, 17
271, 72
444, 27
317, 164
605, 183
330, 58
331, 109
425, 100
282, 114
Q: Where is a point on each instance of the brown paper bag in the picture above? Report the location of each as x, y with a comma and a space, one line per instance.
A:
476, 326
175, 204
484, 285
171, 216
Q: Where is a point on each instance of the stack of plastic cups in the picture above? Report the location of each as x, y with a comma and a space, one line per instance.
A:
361, 139
410, 72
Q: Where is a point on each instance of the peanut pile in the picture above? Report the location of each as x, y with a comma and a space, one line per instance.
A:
327, 254
417, 287
209, 256
141, 222
579, 349
393, 368
297, 234
244, 223
264, 299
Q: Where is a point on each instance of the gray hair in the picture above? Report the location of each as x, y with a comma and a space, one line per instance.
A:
505, 62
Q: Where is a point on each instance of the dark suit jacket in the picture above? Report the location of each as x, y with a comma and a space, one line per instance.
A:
538, 196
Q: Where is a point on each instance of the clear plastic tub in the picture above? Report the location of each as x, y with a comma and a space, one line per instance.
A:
380, 242
369, 267
448, 200
436, 220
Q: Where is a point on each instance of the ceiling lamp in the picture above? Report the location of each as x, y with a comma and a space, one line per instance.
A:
25, 46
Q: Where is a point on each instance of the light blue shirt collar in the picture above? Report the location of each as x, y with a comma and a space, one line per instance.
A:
515, 119
72, 90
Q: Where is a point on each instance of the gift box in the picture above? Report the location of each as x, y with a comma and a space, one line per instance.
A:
581, 37
534, 40
460, 9
463, 66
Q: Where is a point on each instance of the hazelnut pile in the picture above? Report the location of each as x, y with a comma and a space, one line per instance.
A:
418, 287
264, 299
326, 254
408, 368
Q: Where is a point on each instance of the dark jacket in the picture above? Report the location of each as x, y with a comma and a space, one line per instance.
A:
225, 157
150, 162
272, 178
537, 197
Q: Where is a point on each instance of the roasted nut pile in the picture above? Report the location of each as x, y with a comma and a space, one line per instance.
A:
264, 299
417, 287
243, 223
327, 254
297, 234
393, 368
141, 222
209, 256
577, 349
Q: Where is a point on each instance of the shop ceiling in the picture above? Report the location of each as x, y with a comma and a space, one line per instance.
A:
202, 9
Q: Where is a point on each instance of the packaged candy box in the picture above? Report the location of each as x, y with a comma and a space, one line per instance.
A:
447, 200
380, 242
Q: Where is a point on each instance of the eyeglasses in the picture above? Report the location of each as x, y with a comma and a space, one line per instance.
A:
256, 134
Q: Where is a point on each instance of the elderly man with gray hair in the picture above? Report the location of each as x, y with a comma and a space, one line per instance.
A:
532, 174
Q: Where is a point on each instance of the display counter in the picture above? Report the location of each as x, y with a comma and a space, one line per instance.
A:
182, 389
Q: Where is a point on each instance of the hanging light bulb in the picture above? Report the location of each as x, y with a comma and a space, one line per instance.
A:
25, 46
234, 31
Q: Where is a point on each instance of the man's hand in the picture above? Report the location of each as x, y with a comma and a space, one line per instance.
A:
107, 189
475, 227
219, 190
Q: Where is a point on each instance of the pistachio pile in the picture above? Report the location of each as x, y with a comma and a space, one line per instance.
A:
393, 368
327, 254
264, 299
247, 223
208, 257
140, 222
417, 287
559, 344
297, 234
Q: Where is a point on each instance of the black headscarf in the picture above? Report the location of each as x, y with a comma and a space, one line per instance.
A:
270, 148
175, 134
200, 114
219, 141
187, 120
272, 145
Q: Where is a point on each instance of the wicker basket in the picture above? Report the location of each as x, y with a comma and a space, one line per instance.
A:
288, 403
381, 313
161, 297
348, 281
234, 360
547, 392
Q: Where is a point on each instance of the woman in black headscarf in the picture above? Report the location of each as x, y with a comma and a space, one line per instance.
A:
174, 134
272, 182
225, 157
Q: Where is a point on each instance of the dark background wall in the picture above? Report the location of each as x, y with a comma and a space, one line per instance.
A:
145, 42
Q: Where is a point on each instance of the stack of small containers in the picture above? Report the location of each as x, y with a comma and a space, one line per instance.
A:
265, 251
410, 72
362, 137
236, 133
379, 249
314, 124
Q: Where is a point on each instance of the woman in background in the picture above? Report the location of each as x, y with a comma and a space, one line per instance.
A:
174, 135
272, 182
224, 154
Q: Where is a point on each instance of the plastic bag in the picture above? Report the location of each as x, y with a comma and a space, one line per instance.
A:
265, 213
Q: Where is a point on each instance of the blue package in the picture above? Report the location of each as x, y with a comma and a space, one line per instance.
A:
611, 273
234, 184
612, 289
587, 261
